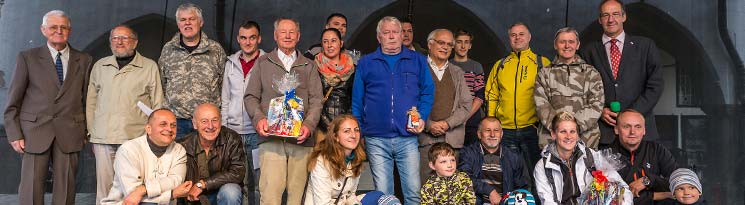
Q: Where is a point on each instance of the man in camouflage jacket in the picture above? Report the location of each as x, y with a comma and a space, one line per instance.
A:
570, 84
191, 66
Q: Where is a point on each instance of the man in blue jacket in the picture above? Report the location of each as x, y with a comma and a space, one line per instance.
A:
493, 170
388, 83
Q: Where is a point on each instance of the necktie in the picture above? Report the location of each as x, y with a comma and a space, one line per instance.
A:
615, 57
58, 66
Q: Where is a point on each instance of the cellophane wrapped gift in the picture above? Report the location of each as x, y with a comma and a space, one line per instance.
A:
285, 115
607, 187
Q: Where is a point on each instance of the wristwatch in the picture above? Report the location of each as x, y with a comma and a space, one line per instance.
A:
200, 185
646, 181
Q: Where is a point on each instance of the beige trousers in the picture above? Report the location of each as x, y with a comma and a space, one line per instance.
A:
104, 154
284, 165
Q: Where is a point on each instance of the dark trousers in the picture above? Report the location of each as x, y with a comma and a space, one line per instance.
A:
524, 141
34, 170
183, 127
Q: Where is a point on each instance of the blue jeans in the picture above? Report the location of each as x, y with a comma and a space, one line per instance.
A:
525, 142
252, 175
229, 194
404, 151
183, 127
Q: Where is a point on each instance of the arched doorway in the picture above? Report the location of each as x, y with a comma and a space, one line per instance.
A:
153, 31
427, 16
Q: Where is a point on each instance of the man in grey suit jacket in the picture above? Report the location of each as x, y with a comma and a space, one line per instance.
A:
630, 68
45, 114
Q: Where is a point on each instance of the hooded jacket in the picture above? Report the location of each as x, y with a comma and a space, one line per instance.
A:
233, 113
583, 176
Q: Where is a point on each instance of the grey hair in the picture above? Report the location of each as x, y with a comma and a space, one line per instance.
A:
276, 22
388, 19
566, 30
57, 13
189, 7
134, 33
431, 35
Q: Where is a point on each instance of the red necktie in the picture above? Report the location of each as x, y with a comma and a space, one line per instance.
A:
615, 57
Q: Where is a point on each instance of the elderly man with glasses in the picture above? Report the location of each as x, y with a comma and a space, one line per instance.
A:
452, 104
112, 115
44, 116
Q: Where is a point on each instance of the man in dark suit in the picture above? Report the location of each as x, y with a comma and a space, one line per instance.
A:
45, 114
630, 68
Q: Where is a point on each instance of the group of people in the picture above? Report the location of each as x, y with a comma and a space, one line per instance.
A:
471, 138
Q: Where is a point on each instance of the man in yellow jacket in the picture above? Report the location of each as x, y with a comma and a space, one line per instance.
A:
509, 94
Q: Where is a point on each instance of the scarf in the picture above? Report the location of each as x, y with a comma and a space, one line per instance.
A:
334, 73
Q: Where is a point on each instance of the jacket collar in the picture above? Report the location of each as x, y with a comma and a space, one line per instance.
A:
204, 44
575, 61
136, 62
405, 53
620, 149
527, 52
235, 57
191, 141
299, 61
549, 151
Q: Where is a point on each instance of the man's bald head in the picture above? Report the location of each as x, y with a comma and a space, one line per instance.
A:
206, 121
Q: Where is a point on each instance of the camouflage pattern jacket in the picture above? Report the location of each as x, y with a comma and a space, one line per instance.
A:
190, 79
576, 87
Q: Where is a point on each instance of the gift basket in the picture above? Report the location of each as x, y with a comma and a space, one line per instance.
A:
607, 187
285, 115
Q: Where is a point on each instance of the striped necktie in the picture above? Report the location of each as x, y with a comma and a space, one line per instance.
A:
58, 66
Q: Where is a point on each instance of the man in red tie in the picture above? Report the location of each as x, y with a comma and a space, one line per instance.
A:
630, 68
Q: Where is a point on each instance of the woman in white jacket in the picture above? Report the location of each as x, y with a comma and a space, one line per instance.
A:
335, 165
564, 170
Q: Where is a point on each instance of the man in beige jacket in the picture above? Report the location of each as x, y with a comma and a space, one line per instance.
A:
116, 84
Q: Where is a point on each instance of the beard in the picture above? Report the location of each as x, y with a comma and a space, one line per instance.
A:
124, 54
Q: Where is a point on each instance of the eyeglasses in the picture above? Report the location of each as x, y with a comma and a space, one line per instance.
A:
121, 38
443, 43
58, 28
614, 14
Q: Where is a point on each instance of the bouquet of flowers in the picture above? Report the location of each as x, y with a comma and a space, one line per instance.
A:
607, 187
285, 116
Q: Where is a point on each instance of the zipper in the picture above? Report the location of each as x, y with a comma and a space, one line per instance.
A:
393, 123
514, 98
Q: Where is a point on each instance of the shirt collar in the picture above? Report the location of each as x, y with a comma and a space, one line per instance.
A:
283, 57
486, 152
621, 38
434, 66
65, 51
